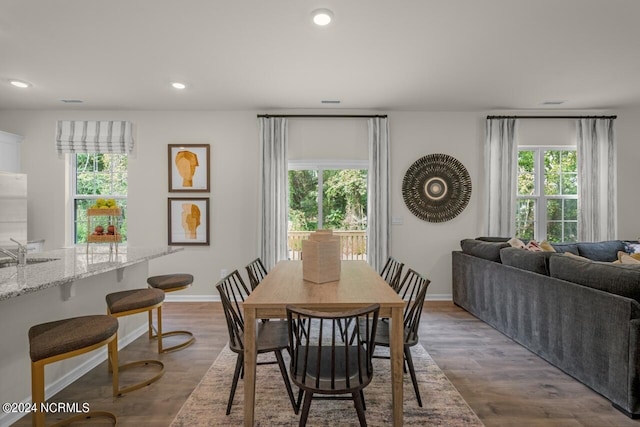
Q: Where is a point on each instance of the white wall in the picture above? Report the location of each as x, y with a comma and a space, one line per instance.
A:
233, 136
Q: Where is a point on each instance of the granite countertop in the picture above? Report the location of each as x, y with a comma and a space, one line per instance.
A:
67, 265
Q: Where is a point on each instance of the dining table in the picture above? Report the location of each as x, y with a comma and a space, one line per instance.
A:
359, 285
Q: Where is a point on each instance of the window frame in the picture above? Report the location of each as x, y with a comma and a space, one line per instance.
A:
540, 217
73, 196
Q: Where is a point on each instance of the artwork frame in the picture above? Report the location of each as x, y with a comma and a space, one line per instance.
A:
188, 221
189, 168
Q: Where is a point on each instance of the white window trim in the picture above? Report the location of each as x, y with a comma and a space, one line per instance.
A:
540, 218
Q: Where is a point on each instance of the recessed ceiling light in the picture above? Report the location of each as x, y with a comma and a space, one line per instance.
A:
322, 17
20, 83
178, 85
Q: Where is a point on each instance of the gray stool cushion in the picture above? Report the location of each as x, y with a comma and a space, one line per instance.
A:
62, 336
170, 281
135, 299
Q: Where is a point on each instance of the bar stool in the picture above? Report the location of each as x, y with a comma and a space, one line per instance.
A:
169, 283
54, 341
125, 303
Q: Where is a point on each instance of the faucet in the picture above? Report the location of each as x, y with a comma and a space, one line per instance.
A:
20, 257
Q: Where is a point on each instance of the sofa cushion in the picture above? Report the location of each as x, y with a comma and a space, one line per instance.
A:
566, 247
538, 262
481, 249
601, 251
620, 279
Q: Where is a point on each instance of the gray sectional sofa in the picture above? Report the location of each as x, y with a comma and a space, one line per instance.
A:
581, 315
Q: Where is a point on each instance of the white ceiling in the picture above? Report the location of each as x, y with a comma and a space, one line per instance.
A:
266, 54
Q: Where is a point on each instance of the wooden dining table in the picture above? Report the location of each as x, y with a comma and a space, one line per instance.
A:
359, 286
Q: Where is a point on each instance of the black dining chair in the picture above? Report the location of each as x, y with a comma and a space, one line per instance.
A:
271, 336
256, 272
392, 272
326, 365
413, 289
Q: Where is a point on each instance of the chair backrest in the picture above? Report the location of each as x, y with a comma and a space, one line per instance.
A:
233, 292
256, 271
413, 289
392, 272
331, 352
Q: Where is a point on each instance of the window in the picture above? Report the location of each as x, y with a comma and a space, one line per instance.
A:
547, 194
97, 176
329, 195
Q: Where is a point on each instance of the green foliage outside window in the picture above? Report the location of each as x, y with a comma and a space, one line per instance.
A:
344, 199
99, 176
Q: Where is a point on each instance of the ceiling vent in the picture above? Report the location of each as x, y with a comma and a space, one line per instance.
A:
553, 102
328, 101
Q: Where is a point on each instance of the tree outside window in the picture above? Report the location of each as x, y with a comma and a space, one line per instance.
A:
98, 176
547, 194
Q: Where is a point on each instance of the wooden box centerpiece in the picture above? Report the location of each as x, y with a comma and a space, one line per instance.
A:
321, 257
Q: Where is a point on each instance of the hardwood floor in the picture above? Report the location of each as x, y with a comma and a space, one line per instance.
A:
505, 384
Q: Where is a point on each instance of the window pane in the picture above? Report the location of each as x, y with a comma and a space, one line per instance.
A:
554, 232
525, 218
570, 209
303, 200
569, 183
526, 177
554, 209
571, 231
344, 201
569, 161
552, 184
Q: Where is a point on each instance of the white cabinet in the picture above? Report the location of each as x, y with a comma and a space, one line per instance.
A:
10, 152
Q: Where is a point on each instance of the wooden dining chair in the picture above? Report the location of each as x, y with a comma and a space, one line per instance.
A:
256, 271
272, 336
323, 362
413, 289
392, 272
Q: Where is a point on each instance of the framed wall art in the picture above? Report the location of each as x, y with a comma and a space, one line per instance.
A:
188, 219
189, 168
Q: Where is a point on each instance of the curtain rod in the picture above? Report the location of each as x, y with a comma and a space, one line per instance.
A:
332, 116
552, 117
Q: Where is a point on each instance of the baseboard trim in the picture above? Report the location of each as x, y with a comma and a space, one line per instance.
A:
52, 389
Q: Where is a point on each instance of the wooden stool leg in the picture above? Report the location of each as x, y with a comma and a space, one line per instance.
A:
37, 393
150, 324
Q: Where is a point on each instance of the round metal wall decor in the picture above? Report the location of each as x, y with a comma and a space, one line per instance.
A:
436, 188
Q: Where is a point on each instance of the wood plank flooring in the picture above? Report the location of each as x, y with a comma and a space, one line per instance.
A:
505, 384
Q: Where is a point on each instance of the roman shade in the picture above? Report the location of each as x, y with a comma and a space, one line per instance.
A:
92, 136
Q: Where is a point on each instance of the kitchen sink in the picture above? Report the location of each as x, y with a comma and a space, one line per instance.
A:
9, 262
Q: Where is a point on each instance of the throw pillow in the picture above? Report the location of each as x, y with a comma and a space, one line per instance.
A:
546, 246
533, 246
625, 258
572, 255
516, 243
633, 248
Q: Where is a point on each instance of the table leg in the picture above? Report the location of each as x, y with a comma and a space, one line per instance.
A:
249, 365
397, 361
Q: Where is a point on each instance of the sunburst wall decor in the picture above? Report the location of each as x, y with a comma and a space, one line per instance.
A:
436, 188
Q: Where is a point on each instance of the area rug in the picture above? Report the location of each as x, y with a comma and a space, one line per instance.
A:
442, 404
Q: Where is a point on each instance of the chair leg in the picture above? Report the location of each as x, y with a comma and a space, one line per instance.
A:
285, 377
234, 384
300, 396
305, 409
357, 401
407, 355
364, 404
37, 393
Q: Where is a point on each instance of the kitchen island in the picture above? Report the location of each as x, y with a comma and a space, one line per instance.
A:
64, 283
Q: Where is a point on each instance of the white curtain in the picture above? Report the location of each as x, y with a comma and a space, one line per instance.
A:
91, 136
378, 206
597, 218
501, 162
273, 179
